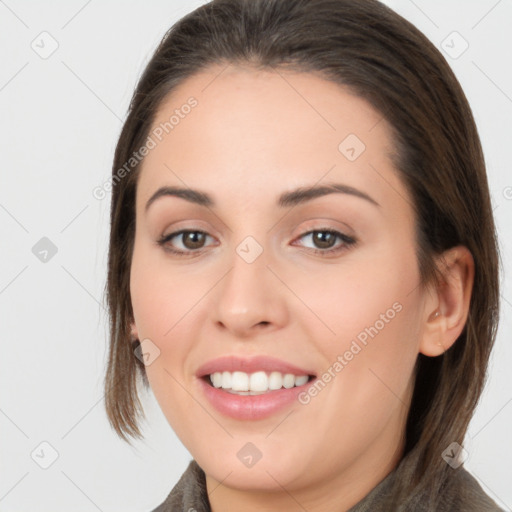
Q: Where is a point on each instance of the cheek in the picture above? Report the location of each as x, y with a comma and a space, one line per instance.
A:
370, 332
167, 310
161, 295
361, 295
369, 372
161, 299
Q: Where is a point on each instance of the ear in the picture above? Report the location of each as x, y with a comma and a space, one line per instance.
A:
447, 308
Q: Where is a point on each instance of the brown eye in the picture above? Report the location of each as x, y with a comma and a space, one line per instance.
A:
183, 242
193, 239
324, 241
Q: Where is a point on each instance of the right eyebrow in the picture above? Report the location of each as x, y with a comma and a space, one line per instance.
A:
193, 196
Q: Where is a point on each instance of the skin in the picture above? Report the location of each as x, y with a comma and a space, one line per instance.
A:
254, 135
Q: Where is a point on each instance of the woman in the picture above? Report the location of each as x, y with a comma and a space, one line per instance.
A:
303, 263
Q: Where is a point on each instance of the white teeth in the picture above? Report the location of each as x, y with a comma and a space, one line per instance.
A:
275, 380
225, 380
299, 381
217, 379
255, 383
239, 381
289, 381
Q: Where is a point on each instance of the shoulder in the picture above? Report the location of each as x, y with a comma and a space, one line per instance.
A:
467, 494
189, 493
459, 491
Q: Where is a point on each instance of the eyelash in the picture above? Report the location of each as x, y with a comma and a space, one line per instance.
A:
347, 242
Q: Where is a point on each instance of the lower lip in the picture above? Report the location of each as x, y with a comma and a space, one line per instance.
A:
251, 407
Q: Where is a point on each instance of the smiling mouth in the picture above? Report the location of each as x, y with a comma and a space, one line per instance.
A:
257, 383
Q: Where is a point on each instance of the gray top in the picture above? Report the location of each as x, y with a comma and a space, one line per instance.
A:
462, 493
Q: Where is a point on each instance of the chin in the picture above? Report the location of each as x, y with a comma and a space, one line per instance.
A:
270, 472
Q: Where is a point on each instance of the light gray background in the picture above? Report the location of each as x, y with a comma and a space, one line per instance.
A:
59, 120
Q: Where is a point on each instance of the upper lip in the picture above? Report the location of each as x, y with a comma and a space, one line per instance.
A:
249, 365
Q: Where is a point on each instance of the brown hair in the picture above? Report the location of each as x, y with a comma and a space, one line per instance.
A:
367, 48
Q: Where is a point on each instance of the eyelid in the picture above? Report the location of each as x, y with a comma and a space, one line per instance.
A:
326, 224
346, 241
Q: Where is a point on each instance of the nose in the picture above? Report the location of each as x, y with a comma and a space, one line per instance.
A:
249, 298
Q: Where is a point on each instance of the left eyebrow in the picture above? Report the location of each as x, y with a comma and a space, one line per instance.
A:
287, 199
303, 194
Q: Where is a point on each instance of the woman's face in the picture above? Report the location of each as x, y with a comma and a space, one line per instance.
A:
251, 284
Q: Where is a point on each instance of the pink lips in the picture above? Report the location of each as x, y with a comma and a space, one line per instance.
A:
249, 365
250, 407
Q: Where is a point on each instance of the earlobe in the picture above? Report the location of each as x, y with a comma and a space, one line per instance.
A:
134, 331
445, 321
432, 342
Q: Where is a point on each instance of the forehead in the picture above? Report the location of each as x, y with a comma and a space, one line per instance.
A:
253, 130
268, 102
